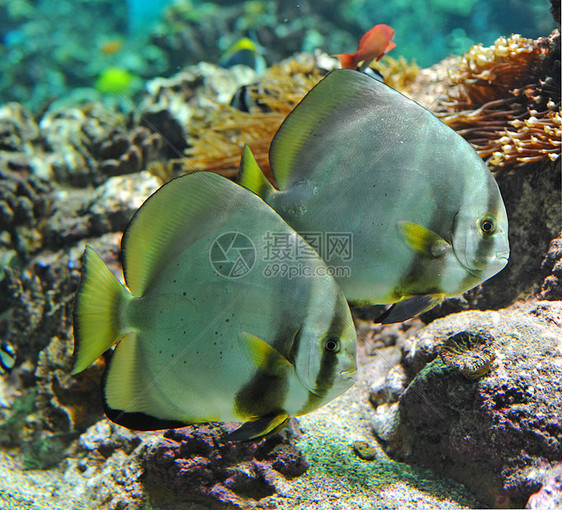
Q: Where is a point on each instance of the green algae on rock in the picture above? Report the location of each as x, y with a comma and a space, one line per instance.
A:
469, 352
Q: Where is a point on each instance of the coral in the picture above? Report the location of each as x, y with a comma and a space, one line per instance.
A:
24, 208
130, 152
550, 494
72, 138
398, 72
218, 135
505, 100
196, 462
469, 352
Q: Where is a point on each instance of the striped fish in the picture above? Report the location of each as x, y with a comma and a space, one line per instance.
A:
424, 213
7, 358
203, 335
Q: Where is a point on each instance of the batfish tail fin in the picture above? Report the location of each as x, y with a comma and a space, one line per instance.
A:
251, 175
97, 311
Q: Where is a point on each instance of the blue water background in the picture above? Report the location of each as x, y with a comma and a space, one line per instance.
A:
51, 49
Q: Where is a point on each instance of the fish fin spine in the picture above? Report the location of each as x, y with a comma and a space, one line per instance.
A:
98, 311
251, 175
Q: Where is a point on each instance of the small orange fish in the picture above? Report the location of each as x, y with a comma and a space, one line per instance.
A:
112, 46
373, 45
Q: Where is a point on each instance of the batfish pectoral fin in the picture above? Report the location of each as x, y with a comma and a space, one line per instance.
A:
409, 307
422, 240
260, 427
251, 177
264, 356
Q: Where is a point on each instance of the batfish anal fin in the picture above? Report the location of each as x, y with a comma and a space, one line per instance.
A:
409, 307
259, 428
422, 240
264, 356
251, 176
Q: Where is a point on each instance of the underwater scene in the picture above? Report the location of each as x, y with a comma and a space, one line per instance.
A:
280, 255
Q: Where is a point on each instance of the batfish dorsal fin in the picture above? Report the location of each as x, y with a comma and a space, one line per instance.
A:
337, 95
169, 221
251, 176
349, 120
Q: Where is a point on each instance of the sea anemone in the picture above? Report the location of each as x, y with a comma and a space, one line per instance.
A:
398, 72
505, 100
469, 352
218, 136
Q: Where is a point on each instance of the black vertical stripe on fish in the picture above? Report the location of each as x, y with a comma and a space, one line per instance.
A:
262, 395
484, 249
328, 363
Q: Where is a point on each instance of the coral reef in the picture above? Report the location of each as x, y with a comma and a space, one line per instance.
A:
73, 172
506, 100
196, 463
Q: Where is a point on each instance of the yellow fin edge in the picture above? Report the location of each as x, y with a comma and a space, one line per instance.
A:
251, 175
97, 311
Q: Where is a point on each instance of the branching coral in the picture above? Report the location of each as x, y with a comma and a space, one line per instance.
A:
506, 100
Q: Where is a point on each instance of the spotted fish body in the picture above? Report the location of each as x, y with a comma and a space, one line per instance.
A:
198, 343
424, 213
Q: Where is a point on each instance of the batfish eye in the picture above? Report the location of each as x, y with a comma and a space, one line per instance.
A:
332, 344
488, 226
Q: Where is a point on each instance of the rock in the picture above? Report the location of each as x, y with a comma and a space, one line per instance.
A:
549, 497
200, 466
551, 266
385, 422
481, 432
388, 389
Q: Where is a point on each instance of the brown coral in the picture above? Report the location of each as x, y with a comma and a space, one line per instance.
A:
506, 102
469, 352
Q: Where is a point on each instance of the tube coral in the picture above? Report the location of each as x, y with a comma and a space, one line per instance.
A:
505, 100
